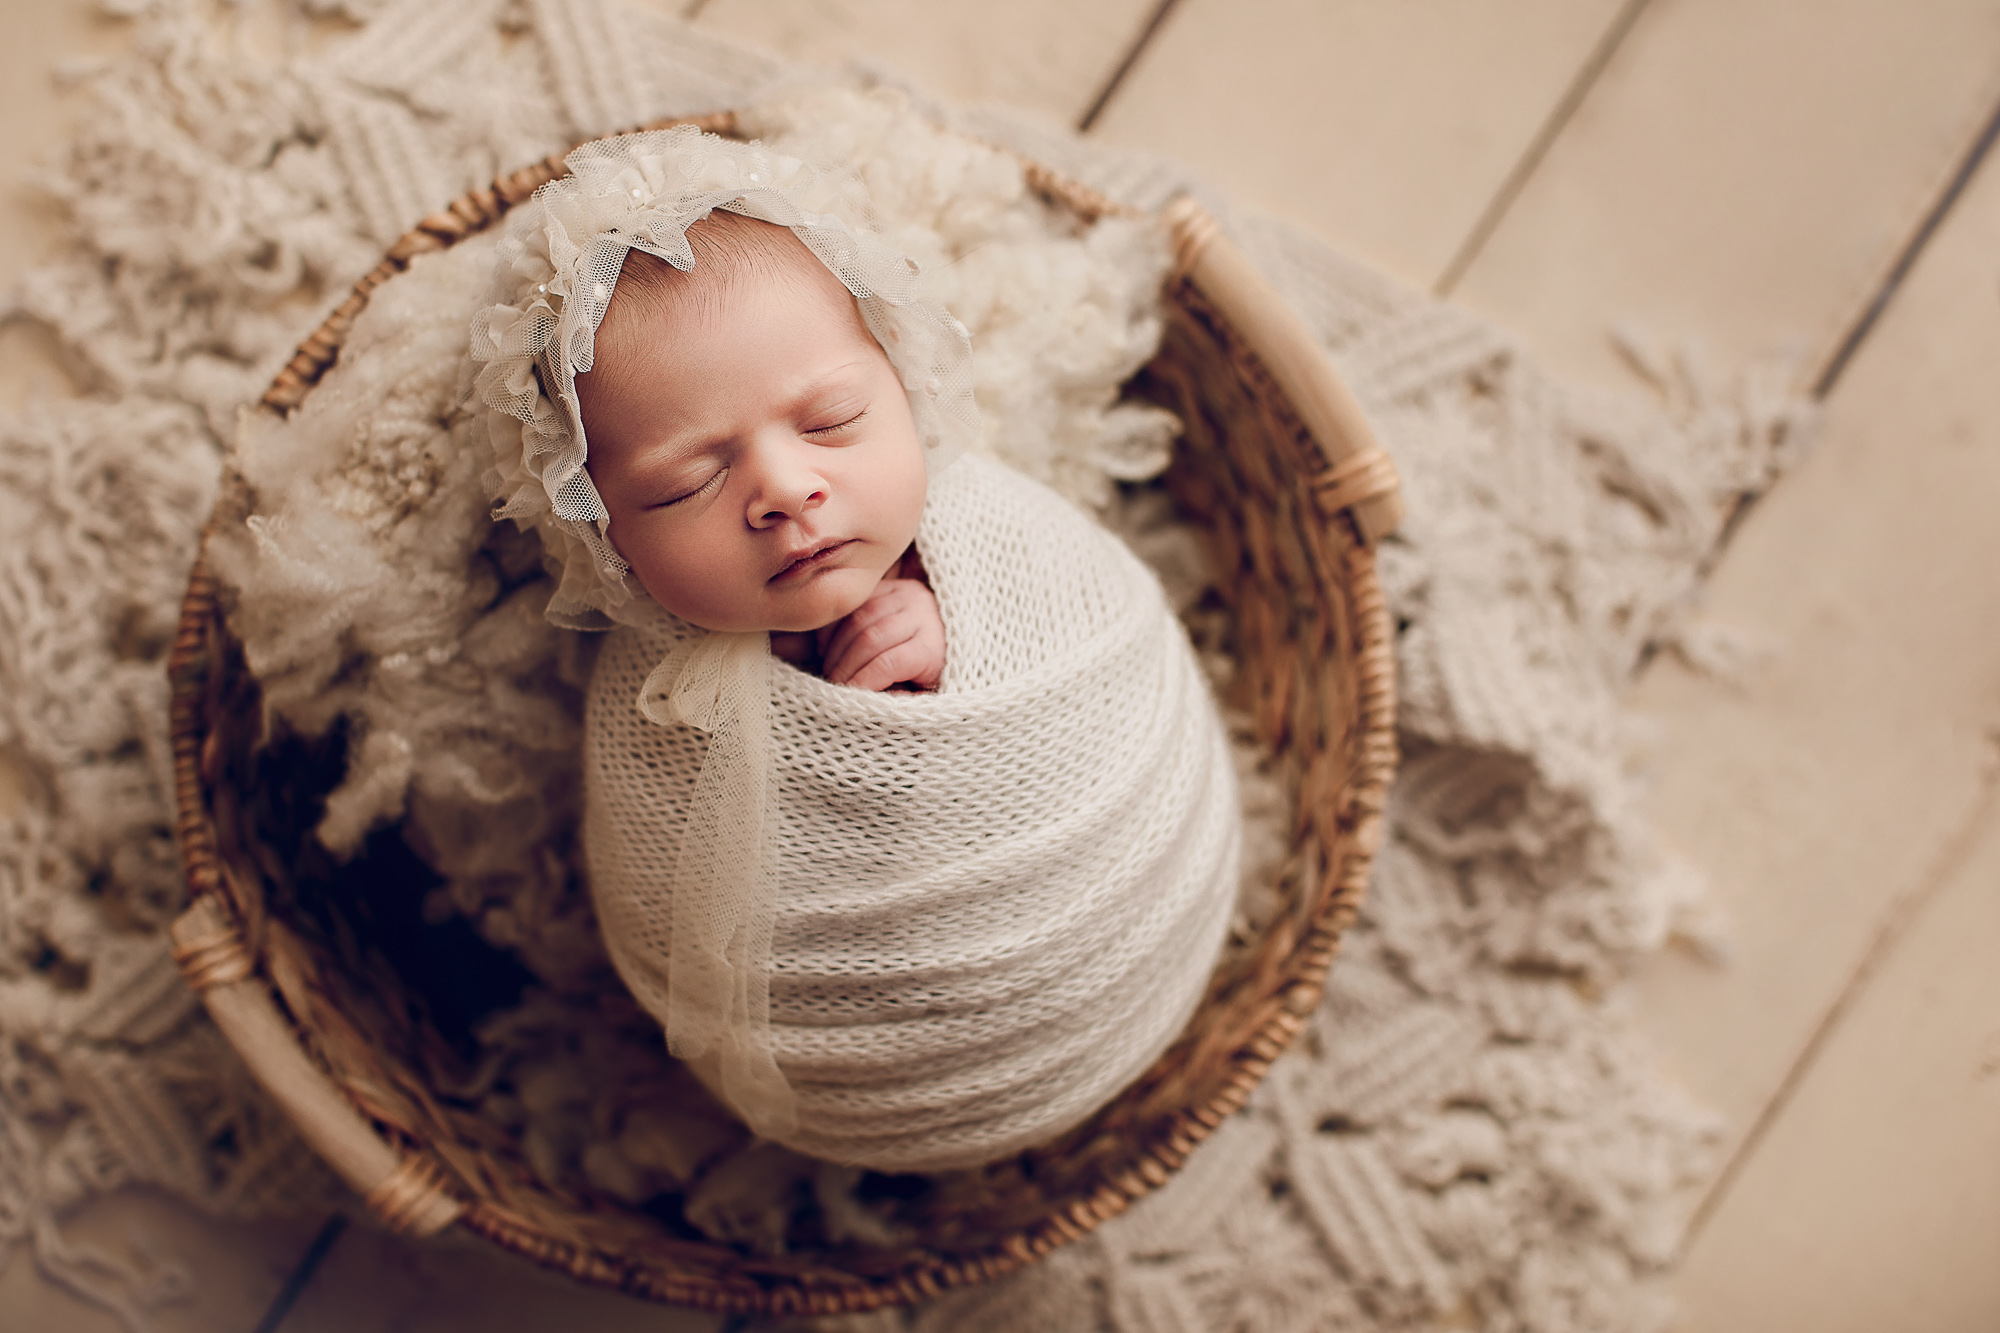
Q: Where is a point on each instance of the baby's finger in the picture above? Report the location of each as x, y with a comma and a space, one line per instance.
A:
863, 646
904, 661
890, 598
917, 660
840, 645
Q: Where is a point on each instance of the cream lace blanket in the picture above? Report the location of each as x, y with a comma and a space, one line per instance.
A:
990, 907
1465, 1137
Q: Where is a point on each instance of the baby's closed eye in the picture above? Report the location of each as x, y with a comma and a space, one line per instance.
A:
714, 480
835, 424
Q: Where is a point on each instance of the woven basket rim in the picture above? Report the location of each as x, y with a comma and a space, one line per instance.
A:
419, 1198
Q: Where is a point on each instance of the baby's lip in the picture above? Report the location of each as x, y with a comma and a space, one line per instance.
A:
804, 559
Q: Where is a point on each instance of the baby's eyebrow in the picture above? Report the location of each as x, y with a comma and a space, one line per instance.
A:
838, 378
683, 446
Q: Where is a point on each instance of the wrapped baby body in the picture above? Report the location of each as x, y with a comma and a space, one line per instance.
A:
904, 930
996, 904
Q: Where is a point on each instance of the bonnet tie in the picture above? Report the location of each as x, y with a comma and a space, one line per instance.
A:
724, 886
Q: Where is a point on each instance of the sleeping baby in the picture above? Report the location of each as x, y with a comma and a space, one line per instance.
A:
908, 813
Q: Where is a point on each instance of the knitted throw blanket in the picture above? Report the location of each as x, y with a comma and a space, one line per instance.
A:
988, 908
1465, 1135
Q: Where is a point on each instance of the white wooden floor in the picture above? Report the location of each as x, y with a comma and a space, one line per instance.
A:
1755, 174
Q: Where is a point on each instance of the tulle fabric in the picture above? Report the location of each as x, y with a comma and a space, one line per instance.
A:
717, 1010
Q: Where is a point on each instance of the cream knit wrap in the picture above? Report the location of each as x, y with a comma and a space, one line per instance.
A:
989, 908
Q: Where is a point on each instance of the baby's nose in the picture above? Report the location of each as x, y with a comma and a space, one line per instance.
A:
786, 489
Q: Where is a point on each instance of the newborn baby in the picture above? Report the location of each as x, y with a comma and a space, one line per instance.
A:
907, 811
758, 458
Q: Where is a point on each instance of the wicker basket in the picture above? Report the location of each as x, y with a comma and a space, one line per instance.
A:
1277, 465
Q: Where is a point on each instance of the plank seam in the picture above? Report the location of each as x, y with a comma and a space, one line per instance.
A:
1147, 32
1906, 259
1896, 923
1538, 148
302, 1274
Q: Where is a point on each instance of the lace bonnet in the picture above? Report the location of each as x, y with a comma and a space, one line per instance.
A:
556, 269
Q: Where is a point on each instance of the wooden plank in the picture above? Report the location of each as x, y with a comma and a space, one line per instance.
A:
1827, 784
1874, 1203
234, 1268
1743, 172
459, 1283
1384, 128
1045, 56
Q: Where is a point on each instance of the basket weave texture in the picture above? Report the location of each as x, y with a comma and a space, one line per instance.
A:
342, 1047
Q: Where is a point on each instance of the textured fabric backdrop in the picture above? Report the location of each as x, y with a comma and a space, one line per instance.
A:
1466, 1130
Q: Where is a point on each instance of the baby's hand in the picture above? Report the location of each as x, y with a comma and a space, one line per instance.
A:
893, 638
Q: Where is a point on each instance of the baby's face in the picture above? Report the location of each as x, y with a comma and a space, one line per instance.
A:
755, 449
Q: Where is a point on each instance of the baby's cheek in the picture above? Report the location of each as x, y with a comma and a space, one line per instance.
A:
680, 579
905, 499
